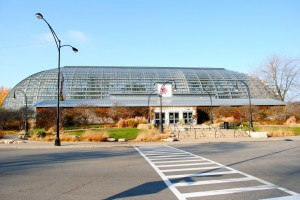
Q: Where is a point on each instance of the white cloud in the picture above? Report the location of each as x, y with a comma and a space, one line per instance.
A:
46, 37
78, 36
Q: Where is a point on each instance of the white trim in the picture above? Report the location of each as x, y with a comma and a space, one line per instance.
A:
213, 182
228, 191
189, 169
186, 164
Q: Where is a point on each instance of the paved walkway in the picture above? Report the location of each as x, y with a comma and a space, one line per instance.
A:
46, 145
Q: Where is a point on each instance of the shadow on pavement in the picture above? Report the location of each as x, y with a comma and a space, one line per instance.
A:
140, 190
30, 161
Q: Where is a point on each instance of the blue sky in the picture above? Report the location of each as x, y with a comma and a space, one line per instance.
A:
237, 35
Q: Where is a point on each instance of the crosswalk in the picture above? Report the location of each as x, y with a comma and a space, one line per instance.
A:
190, 176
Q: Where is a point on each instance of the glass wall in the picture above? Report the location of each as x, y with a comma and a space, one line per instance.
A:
85, 82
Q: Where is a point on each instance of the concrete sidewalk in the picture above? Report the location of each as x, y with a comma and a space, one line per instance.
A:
70, 145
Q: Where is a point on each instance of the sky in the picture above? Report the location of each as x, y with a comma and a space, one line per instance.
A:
233, 34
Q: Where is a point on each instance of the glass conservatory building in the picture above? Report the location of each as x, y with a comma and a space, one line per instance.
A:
106, 86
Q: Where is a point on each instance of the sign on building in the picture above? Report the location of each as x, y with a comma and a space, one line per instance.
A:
166, 90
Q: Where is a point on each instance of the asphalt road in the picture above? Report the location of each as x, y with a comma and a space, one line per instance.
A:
122, 173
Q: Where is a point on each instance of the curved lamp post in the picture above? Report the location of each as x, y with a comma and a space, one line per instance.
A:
26, 111
161, 128
149, 114
249, 96
59, 46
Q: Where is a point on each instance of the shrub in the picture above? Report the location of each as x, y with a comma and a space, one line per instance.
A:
52, 129
291, 120
45, 118
94, 136
68, 138
280, 133
13, 119
131, 122
122, 123
117, 113
38, 132
150, 136
1, 134
49, 138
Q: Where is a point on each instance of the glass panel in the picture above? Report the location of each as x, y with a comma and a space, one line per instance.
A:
188, 117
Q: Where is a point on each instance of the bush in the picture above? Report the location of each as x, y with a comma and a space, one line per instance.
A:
1, 134
13, 119
150, 136
46, 118
291, 120
131, 122
64, 137
38, 132
280, 133
117, 113
94, 136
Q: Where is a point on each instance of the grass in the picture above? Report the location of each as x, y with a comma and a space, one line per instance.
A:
295, 130
82, 127
76, 132
127, 133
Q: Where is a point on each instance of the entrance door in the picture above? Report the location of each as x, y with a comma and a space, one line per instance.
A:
202, 116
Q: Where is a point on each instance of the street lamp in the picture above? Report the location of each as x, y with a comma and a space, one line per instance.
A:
26, 111
249, 96
59, 46
160, 99
149, 114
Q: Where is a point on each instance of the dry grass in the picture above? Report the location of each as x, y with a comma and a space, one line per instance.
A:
36, 138
48, 138
52, 129
277, 133
65, 137
151, 135
291, 120
131, 122
280, 133
94, 136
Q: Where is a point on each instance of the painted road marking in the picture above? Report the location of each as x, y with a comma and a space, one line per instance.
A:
164, 154
187, 164
228, 191
173, 161
174, 158
201, 174
166, 159
213, 182
190, 169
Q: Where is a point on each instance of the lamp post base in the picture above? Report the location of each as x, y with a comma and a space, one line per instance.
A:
57, 142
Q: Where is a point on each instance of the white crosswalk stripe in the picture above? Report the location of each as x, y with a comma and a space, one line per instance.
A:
173, 165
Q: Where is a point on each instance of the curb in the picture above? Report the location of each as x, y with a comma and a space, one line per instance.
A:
93, 145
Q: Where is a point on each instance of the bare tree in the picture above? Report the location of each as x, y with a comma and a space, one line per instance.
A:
283, 75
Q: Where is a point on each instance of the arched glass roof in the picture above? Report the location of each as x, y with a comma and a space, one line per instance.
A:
90, 82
